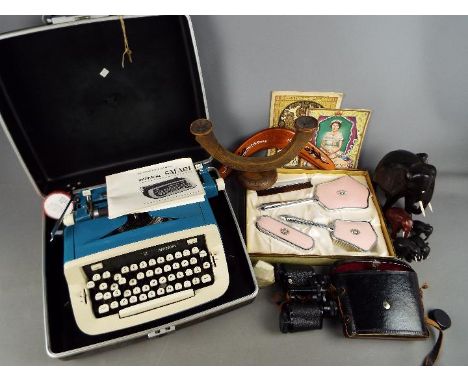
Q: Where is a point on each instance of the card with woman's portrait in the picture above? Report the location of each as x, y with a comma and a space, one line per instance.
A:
340, 134
287, 106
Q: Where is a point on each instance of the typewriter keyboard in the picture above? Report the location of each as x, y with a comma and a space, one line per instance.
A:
146, 279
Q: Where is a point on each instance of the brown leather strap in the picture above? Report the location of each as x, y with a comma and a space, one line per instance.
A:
431, 358
279, 138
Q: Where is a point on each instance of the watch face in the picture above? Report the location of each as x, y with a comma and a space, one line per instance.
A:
55, 204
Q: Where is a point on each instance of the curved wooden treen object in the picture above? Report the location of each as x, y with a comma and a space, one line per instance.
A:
203, 131
257, 173
278, 138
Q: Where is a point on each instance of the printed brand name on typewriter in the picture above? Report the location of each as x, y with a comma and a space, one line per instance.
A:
145, 247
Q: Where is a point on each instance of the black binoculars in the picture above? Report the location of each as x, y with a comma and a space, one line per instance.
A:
307, 298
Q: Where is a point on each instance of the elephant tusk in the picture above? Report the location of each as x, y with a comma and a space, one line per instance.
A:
430, 207
422, 208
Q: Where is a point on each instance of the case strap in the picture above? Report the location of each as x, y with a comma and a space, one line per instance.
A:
431, 358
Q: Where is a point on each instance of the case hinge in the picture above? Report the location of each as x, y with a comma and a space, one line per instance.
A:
161, 332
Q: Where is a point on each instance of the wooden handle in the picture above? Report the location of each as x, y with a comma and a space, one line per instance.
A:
203, 131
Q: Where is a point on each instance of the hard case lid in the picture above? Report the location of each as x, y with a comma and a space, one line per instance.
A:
73, 126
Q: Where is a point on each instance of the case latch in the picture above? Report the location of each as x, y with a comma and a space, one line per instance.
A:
161, 332
56, 19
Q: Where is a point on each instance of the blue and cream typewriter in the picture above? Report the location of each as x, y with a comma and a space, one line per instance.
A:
75, 115
141, 267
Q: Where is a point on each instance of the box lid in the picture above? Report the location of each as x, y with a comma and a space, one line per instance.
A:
72, 125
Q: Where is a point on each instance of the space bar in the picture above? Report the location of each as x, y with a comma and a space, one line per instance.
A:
161, 301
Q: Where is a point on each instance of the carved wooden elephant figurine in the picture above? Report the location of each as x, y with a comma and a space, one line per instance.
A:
406, 249
402, 174
421, 229
399, 219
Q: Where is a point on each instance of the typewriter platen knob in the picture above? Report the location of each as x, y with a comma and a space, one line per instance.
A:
68, 220
220, 184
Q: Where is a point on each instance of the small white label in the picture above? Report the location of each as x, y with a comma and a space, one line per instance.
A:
55, 203
104, 73
96, 267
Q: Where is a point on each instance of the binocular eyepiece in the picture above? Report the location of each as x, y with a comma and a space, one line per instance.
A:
307, 298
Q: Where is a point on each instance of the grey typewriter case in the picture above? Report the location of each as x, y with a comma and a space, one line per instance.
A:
71, 125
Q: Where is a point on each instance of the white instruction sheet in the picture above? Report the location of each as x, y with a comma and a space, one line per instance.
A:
155, 187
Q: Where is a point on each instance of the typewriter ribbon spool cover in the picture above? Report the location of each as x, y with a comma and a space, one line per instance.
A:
130, 118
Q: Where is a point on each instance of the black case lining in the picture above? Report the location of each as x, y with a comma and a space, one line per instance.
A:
64, 334
71, 125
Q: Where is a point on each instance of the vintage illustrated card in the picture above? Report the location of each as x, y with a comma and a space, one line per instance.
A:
340, 134
287, 106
